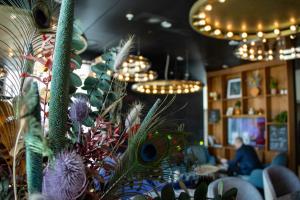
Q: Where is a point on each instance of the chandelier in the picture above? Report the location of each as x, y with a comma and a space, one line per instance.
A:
135, 64
136, 77
245, 19
168, 87
268, 49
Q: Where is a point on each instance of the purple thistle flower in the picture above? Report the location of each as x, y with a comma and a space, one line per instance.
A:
79, 110
66, 178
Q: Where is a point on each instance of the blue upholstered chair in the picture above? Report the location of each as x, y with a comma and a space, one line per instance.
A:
256, 176
279, 181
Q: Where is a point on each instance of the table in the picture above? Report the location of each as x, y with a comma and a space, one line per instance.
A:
291, 196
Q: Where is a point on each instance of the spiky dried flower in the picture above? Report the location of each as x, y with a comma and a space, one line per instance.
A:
65, 179
79, 110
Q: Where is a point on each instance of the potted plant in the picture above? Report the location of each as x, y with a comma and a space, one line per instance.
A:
273, 86
254, 82
237, 108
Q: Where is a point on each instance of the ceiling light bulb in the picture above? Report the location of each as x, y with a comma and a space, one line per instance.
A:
166, 24
292, 37
230, 34
260, 34
201, 15
207, 28
264, 40
129, 16
251, 57
244, 35
277, 31
293, 28
202, 22
270, 57
252, 43
217, 32
208, 7
260, 57
222, 1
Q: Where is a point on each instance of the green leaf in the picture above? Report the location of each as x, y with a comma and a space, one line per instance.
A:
230, 194
76, 59
183, 196
201, 192
111, 97
89, 122
104, 85
96, 101
167, 193
75, 80
96, 93
90, 82
99, 69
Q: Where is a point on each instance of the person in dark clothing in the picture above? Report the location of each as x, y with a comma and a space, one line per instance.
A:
245, 159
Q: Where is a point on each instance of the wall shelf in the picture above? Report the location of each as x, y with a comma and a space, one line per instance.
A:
270, 105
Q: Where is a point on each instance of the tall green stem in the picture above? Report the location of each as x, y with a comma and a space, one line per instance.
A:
60, 77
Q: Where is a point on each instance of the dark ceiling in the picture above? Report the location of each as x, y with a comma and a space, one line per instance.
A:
104, 24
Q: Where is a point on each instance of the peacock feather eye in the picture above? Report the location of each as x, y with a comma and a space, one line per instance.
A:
41, 14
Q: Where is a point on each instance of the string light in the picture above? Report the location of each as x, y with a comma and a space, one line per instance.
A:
230, 34
135, 64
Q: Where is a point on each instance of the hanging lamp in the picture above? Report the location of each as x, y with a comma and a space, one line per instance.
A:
245, 19
168, 86
268, 49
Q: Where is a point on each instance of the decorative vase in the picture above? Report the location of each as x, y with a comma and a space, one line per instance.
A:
254, 91
237, 111
273, 91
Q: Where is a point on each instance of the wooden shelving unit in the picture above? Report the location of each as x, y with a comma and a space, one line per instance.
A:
270, 104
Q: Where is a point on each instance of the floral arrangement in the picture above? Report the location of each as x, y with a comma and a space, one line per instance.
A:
57, 143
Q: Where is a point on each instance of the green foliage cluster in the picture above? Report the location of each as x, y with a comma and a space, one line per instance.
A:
281, 118
168, 193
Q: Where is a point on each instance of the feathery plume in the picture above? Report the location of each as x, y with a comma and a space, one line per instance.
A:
123, 52
133, 116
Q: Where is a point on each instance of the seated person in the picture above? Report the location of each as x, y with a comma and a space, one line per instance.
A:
245, 159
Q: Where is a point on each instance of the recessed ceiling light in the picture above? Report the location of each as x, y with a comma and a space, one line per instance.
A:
179, 58
166, 24
154, 20
129, 16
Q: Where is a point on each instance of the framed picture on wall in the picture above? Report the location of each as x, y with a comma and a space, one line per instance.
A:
234, 89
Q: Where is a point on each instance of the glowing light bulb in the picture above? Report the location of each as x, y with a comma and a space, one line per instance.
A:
217, 32
277, 31
201, 15
230, 34
208, 7
260, 57
260, 34
244, 35
207, 28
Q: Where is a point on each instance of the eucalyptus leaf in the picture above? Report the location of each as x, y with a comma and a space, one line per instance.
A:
167, 193
76, 59
96, 93
90, 82
100, 69
89, 122
75, 80
201, 192
96, 101
104, 85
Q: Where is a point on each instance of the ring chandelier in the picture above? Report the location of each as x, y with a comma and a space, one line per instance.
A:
271, 49
135, 64
168, 87
136, 77
245, 19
